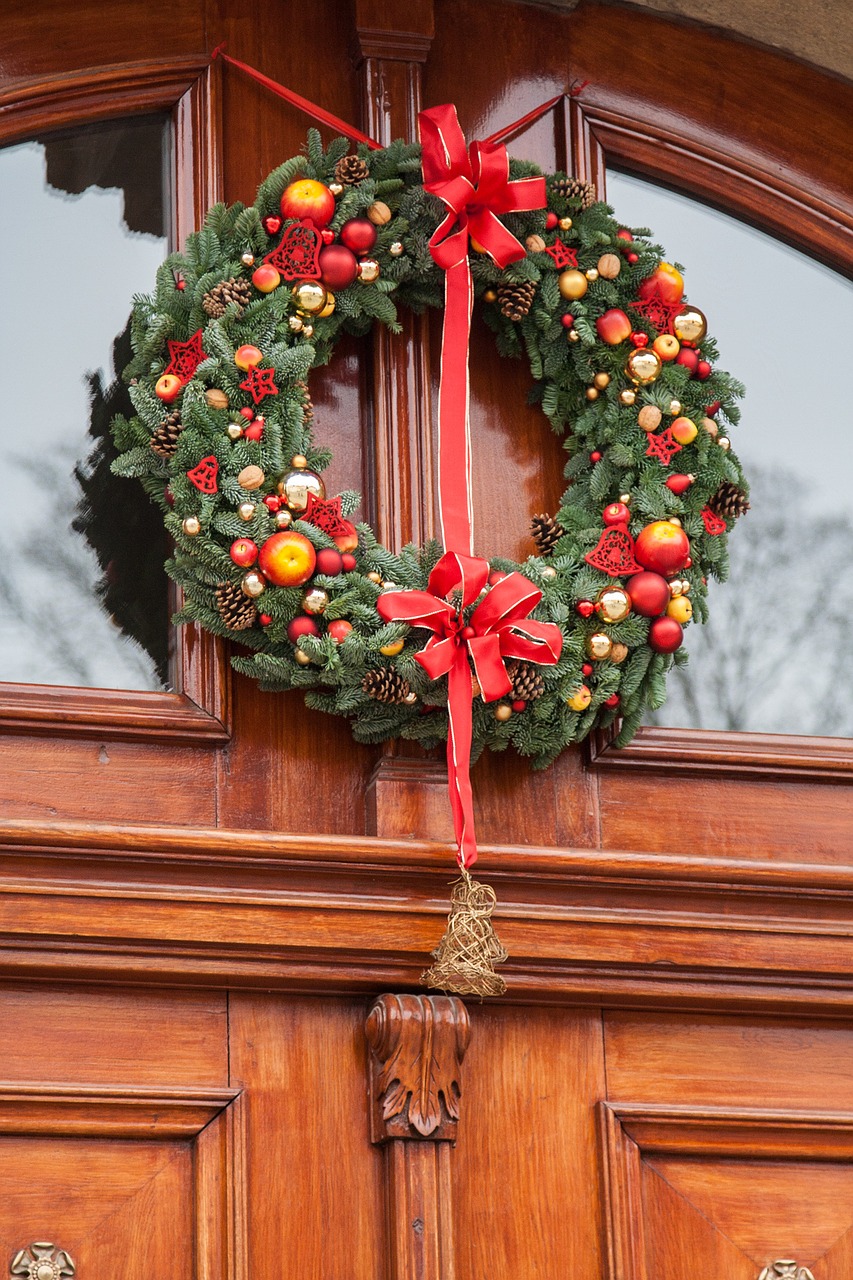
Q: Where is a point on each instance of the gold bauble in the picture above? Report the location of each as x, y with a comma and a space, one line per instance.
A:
549, 572
490, 296
315, 600
308, 331
299, 461
628, 396
614, 604
572, 285
685, 586
643, 367
253, 584
283, 519
247, 259
295, 323
680, 608
246, 511
675, 407
689, 325
410, 698
580, 699
191, 526
503, 711
601, 380
301, 657
251, 478
391, 649
592, 274
234, 430
618, 653
396, 248
609, 266
216, 399
373, 576
574, 336
725, 443
565, 224
676, 587
592, 393
379, 213
626, 498
329, 307
598, 646
368, 271
336, 189
310, 297
295, 486
534, 244
649, 417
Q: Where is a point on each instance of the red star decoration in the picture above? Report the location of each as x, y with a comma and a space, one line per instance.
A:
563, 256
714, 524
259, 383
658, 312
326, 516
614, 554
185, 357
298, 255
663, 447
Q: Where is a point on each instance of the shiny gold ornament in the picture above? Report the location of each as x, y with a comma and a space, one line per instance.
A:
572, 285
396, 248
689, 325
308, 331
626, 498
234, 431
618, 653
251, 478
614, 604
247, 259
299, 461
253, 584
315, 600
628, 396
391, 649
643, 367
609, 266
379, 213
296, 323
725, 443
490, 296
373, 576
246, 511
675, 520
680, 608
676, 587
329, 307
574, 336
410, 698
709, 425
649, 417
296, 485
310, 297
535, 244
216, 399
685, 586
592, 393
283, 519
580, 699
601, 380
675, 407
387, 585
191, 526
598, 646
336, 189
565, 224
549, 571
368, 271
503, 711
592, 274
301, 657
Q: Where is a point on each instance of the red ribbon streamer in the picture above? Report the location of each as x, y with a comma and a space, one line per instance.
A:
498, 628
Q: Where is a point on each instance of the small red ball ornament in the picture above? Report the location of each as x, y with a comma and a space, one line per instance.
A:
339, 630
624, 234
567, 321
273, 502
247, 413
649, 593
688, 357
301, 626
639, 339
612, 701
616, 513
358, 234
587, 668
349, 562
255, 430
585, 608
338, 266
703, 370
665, 635
662, 547
264, 619
551, 221
519, 705
330, 562
595, 456
633, 258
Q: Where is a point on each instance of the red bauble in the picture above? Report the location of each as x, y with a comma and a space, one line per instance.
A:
595, 456
247, 413
689, 358
264, 619
624, 234
551, 221
349, 562
338, 266
649, 593
612, 701
585, 608
255, 430
359, 234
301, 627
662, 547
272, 225
633, 258
329, 561
587, 668
339, 630
272, 502
519, 705
616, 513
703, 370
665, 635
244, 552
639, 339
567, 321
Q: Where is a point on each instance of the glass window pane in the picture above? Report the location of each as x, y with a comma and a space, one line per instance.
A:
776, 654
83, 595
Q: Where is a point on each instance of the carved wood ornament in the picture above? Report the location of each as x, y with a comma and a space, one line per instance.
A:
42, 1261
785, 1269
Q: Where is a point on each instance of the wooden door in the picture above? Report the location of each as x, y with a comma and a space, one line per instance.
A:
203, 890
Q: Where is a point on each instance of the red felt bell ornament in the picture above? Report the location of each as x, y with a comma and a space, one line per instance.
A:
614, 554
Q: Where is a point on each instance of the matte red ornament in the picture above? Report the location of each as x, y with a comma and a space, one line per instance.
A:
663, 447
329, 561
338, 266
612, 701
326, 514
616, 513
562, 255
247, 412
587, 668
567, 321
358, 234
595, 456
649, 593
272, 224
297, 257
665, 635
633, 258
203, 476
639, 339
714, 524
614, 554
678, 484
703, 370
713, 409
585, 608
255, 430
551, 221
301, 626
264, 619
519, 705
624, 234
658, 312
185, 357
259, 383
688, 358
349, 562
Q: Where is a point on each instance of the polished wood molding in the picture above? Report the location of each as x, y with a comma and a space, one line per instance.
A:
108, 1112
115, 714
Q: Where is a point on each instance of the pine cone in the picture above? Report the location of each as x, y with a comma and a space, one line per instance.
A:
515, 300
385, 684
237, 611
307, 402
729, 501
583, 193
350, 169
527, 682
164, 441
216, 299
546, 533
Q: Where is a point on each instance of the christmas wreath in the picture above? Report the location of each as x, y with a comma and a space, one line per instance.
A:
622, 367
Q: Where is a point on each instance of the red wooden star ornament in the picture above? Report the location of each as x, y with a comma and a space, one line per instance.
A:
259, 383
185, 357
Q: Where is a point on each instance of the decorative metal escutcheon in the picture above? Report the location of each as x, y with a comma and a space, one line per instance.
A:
785, 1269
42, 1261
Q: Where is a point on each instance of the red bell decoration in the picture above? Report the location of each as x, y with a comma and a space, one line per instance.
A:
338, 266
649, 593
662, 547
665, 635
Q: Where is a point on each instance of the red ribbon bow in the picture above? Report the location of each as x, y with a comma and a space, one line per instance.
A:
498, 628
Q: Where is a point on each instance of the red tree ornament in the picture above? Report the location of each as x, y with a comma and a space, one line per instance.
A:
259, 383
658, 312
298, 255
203, 476
563, 256
185, 357
663, 447
714, 524
614, 554
326, 515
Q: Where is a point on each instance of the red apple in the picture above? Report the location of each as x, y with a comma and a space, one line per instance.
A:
168, 387
616, 513
613, 327
684, 430
338, 266
661, 547
301, 626
287, 559
664, 281
359, 234
247, 356
244, 552
266, 278
649, 594
329, 562
665, 635
339, 630
306, 198
347, 541
349, 562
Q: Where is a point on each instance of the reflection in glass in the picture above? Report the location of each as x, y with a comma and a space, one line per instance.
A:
83, 596
776, 654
